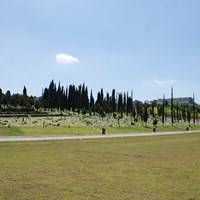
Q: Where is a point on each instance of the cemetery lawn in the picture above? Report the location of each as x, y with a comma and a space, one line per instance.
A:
161, 167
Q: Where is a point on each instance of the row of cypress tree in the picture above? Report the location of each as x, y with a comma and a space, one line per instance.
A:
77, 98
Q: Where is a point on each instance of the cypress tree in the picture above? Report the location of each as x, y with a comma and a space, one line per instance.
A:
172, 106
45, 98
184, 113
163, 110
70, 97
101, 95
66, 99
194, 109
124, 103
107, 103
129, 105
153, 105
91, 100
188, 115
120, 103
86, 99
107, 98
24, 91
76, 99
113, 101
58, 101
177, 112
197, 115
80, 103
52, 95
62, 98
83, 97
145, 114
132, 107
98, 100
8, 97
1, 95
73, 98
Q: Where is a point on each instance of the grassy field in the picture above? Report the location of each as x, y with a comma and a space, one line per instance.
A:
85, 130
163, 167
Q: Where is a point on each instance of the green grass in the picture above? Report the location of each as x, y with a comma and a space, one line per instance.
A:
40, 131
162, 167
85, 130
141, 128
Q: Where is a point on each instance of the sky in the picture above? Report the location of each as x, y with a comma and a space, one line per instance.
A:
142, 45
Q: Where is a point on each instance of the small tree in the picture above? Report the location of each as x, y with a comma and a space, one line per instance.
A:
24, 91
37, 105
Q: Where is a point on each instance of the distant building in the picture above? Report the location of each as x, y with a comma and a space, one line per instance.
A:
182, 100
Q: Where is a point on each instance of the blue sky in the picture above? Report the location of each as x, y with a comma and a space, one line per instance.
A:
143, 45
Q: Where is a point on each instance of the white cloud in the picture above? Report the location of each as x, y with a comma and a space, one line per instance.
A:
62, 58
160, 83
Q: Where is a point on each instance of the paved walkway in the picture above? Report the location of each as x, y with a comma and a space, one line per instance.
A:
119, 135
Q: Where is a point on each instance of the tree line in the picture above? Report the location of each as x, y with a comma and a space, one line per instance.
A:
79, 99
16, 102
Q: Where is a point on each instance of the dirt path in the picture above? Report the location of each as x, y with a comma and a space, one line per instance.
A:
119, 135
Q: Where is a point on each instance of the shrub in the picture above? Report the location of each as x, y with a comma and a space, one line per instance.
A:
114, 115
84, 111
155, 122
103, 131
